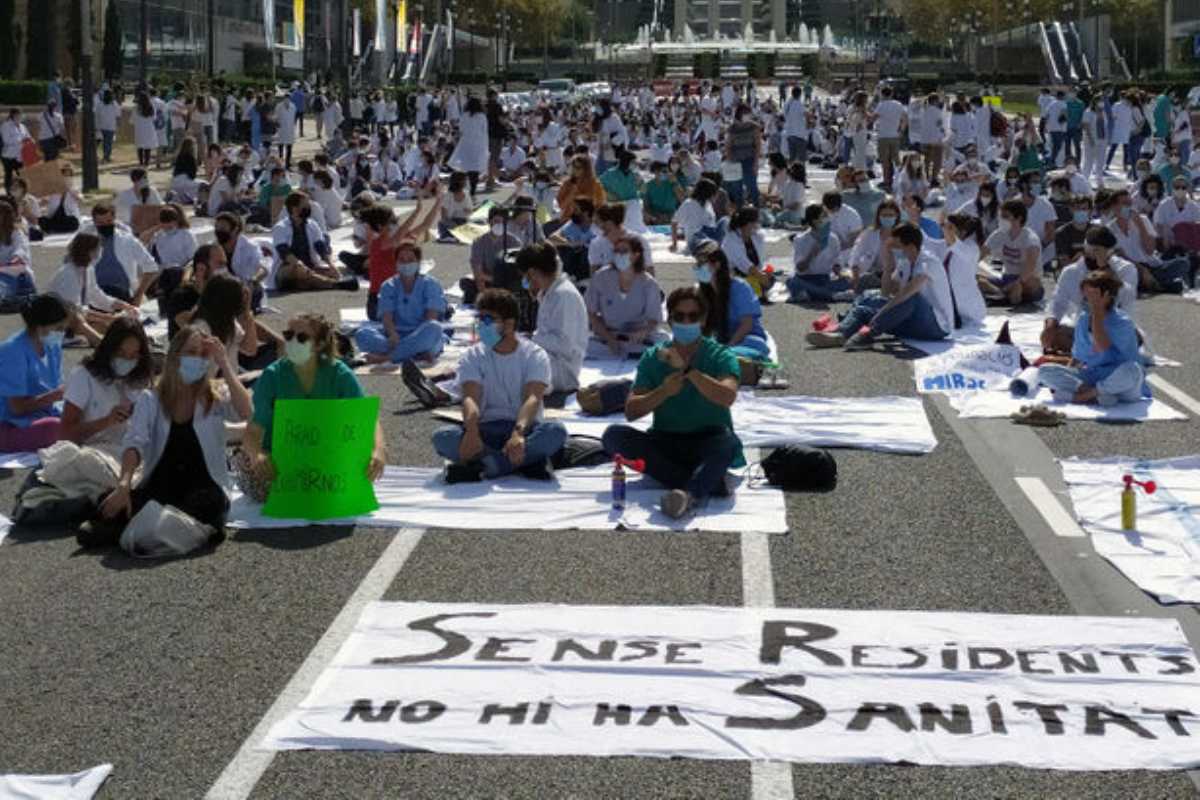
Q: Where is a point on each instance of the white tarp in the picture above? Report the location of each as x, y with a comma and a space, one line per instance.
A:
883, 424
1001, 402
968, 368
80, 786
577, 499
1163, 555
1075, 693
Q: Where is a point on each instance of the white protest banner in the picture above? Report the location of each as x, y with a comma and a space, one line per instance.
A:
1162, 554
1077, 693
967, 368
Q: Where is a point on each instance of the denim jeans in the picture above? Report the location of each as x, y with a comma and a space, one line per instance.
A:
107, 138
1173, 275
819, 288
797, 148
749, 187
694, 461
913, 319
542, 440
1075, 143
715, 233
1123, 385
752, 347
426, 338
1058, 140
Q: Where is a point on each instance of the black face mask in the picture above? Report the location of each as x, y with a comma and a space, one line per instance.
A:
224, 237
305, 213
105, 230
1092, 263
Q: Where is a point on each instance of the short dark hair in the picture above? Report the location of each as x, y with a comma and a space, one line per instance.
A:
498, 302
44, 309
832, 200
1106, 282
585, 205
743, 217
683, 293
908, 234
540, 256
1100, 237
611, 212
1016, 208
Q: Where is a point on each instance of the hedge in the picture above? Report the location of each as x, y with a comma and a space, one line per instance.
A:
23, 93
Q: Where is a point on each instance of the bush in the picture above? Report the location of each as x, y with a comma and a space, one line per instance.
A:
23, 93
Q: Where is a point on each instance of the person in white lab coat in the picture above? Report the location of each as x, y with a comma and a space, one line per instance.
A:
285, 131
562, 320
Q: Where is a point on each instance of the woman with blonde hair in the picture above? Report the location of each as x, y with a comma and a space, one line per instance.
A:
176, 435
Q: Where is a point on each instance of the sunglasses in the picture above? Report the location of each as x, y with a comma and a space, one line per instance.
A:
301, 337
685, 316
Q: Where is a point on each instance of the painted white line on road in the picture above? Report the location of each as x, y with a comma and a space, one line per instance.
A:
1175, 393
769, 780
1061, 522
247, 767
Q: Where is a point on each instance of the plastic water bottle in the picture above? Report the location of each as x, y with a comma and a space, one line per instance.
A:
618, 484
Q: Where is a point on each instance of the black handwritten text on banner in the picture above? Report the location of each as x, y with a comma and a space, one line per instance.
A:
1076, 693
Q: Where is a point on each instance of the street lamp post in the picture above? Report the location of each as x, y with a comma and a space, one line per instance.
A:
91, 173
143, 43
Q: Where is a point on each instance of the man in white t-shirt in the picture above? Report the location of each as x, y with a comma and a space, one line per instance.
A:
503, 379
1099, 253
1177, 208
795, 127
1055, 117
1019, 249
890, 119
915, 303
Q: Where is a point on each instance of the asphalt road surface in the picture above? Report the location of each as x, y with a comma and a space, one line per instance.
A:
165, 668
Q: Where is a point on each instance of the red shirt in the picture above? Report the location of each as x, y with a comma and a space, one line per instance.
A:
381, 262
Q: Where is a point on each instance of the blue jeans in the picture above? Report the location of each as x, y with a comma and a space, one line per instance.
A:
1132, 150
747, 188
752, 347
695, 461
426, 338
819, 288
1075, 143
1057, 140
715, 233
1185, 150
542, 440
912, 319
107, 138
1123, 385
1173, 275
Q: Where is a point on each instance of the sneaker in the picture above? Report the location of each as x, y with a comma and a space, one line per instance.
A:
676, 503
825, 322
421, 387
859, 341
541, 471
825, 339
349, 284
471, 472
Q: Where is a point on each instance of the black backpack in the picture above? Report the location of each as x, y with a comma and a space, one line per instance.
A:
796, 468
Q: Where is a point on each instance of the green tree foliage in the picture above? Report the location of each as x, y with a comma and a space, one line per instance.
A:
112, 59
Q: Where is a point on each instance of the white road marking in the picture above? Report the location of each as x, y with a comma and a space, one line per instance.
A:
769, 780
1057, 517
1175, 393
241, 775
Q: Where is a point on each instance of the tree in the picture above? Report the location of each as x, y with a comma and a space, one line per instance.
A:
113, 58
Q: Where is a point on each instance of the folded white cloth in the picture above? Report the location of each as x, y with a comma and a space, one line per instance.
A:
80, 786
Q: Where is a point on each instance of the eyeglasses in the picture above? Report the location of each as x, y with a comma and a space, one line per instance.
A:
686, 316
300, 337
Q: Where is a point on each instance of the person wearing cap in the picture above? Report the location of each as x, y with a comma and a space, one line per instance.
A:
1105, 367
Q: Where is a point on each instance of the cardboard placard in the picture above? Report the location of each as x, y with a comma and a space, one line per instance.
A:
143, 217
46, 179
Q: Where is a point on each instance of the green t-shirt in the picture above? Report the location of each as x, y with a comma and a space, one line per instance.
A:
269, 191
334, 381
619, 186
660, 197
689, 411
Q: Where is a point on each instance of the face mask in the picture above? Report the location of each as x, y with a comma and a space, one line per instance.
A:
901, 260
1092, 263
1181, 195
192, 369
305, 213
1152, 191
1081, 217
1070, 169
985, 199
703, 273
1174, 161
1125, 212
54, 338
1035, 190
497, 230
298, 353
887, 222
490, 335
526, 285
685, 332
105, 230
224, 237
409, 269
972, 161
123, 366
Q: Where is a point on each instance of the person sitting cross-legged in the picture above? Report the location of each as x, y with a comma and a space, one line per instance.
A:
1105, 367
410, 307
916, 302
689, 384
503, 380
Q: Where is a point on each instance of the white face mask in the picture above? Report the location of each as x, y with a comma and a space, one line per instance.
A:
298, 353
497, 230
622, 261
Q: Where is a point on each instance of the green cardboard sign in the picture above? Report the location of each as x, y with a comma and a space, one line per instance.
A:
321, 449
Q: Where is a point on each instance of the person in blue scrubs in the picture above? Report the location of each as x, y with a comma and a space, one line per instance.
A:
736, 316
31, 387
410, 307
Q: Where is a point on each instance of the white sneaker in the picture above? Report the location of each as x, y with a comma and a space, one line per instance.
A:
825, 339
676, 503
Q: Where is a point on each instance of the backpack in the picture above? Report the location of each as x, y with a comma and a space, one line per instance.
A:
796, 468
604, 397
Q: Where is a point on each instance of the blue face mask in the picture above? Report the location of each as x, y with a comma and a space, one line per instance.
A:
526, 285
887, 222
53, 338
409, 270
489, 334
1081, 217
685, 332
703, 273
193, 368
